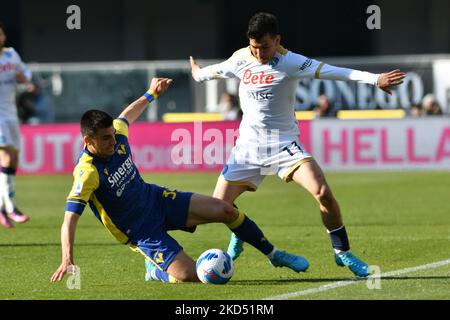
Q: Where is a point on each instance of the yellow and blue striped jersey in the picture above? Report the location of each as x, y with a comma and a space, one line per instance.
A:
113, 187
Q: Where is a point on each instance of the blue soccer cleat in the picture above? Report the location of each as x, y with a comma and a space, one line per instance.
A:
358, 267
150, 275
291, 261
235, 247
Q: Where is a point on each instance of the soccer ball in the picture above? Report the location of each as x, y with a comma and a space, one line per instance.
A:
214, 266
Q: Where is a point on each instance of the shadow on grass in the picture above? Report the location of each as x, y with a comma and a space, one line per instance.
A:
325, 280
418, 278
284, 281
56, 244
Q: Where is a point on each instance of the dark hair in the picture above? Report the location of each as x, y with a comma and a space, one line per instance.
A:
261, 24
2, 26
92, 120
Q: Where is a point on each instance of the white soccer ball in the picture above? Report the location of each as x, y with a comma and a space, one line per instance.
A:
214, 266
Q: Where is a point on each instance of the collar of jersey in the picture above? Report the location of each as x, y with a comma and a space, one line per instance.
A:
97, 157
281, 51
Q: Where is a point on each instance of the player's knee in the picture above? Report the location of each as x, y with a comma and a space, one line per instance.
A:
324, 196
225, 212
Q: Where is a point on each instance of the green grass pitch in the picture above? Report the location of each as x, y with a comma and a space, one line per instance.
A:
395, 220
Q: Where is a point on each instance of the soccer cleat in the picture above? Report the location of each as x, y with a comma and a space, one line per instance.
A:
235, 247
284, 259
18, 217
150, 275
347, 259
4, 220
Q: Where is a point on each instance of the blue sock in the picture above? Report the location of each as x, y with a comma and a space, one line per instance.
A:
246, 230
339, 239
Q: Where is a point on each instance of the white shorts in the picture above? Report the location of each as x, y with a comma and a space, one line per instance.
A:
249, 166
10, 134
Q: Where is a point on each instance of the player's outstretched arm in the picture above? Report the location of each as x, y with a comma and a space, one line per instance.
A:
194, 67
136, 108
23, 74
384, 81
223, 70
67, 241
390, 79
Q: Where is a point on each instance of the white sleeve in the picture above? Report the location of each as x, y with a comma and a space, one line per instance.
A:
302, 67
21, 67
329, 72
299, 66
226, 69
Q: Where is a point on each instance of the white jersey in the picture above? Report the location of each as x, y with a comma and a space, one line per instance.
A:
10, 65
267, 91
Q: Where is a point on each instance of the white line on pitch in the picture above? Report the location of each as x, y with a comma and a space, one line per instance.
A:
353, 281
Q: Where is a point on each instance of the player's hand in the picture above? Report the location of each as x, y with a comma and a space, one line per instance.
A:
62, 270
194, 67
159, 85
390, 79
20, 78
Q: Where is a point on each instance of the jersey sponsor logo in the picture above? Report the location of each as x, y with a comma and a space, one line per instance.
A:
7, 67
306, 64
257, 78
117, 177
120, 190
260, 96
241, 62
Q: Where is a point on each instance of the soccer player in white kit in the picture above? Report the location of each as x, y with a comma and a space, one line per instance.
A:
269, 135
12, 71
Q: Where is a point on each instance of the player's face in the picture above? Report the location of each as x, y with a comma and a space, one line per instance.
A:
265, 48
102, 144
2, 38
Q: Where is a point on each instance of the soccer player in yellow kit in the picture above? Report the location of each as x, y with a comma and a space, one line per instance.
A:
139, 214
268, 76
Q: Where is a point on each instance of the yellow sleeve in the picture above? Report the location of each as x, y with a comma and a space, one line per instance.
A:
86, 181
121, 126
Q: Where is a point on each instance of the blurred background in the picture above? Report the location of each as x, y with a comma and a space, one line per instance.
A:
122, 44
413, 34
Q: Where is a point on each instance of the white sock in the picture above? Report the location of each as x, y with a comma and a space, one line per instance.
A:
7, 186
270, 255
338, 252
3, 188
11, 203
2, 204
